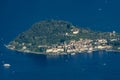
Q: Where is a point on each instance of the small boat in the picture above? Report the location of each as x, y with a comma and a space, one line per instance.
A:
6, 65
90, 51
72, 53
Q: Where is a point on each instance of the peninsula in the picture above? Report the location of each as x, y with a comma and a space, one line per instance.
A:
62, 37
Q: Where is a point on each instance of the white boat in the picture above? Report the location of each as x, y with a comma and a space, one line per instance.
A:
72, 53
6, 65
90, 51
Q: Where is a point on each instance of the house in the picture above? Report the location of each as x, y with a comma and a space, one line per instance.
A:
75, 31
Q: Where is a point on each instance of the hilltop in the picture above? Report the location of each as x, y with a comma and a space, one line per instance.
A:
45, 36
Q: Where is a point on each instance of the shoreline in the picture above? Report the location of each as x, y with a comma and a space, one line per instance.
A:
62, 53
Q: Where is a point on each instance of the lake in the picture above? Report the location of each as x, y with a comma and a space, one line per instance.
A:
18, 15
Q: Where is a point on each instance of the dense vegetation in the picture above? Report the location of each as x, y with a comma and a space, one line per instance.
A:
52, 32
46, 33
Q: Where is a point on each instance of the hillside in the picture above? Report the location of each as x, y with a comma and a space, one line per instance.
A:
51, 32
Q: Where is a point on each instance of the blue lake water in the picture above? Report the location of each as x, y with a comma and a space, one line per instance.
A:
17, 16
85, 66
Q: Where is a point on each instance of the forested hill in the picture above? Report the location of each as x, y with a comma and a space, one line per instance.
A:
51, 32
